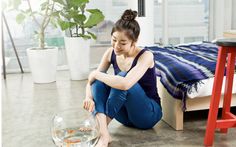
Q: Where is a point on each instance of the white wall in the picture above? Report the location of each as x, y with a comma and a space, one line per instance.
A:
222, 17
234, 15
146, 23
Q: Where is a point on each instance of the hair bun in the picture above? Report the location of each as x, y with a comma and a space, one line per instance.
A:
129, 15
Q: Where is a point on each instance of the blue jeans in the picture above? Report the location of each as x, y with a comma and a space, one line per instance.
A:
130, 107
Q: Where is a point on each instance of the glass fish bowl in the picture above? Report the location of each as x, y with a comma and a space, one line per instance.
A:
74, 128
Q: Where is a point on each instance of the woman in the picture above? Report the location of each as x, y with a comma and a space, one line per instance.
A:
130, 96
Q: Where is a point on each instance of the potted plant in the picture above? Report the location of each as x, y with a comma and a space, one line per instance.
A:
73, 16
42, 59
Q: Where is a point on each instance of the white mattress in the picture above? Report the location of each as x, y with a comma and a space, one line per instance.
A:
205, 89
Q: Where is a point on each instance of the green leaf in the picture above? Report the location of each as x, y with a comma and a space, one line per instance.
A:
65, 25
65, 15
20, 18
95, 18
92, 35
79, 18
93, 10
55, 14
77, 3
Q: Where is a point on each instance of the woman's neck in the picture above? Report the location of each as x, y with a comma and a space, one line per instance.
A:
132, 52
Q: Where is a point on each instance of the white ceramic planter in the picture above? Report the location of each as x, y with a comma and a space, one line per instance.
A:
77, 50
43, 64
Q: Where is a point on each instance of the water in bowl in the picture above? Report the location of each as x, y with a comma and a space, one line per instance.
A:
77, 137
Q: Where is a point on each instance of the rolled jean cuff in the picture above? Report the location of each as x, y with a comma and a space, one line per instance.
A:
98, 111
95, 112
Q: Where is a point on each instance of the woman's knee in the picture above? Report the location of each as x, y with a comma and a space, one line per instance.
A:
99, 88
98, 84
136, 91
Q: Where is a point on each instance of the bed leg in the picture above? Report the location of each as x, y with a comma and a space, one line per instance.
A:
172, 113
171, 107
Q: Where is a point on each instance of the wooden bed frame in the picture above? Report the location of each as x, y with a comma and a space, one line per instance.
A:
172, 108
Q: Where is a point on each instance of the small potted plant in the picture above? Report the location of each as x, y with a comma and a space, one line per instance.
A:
73, 16
42, 59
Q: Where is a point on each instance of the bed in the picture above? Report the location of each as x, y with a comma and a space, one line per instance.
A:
182, 95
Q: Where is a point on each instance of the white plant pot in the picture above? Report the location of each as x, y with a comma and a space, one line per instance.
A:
43, 64
77, 50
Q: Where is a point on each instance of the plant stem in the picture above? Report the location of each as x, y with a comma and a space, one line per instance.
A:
41, 30
49, 16
44, 24
77, 29
70, 29
43, 27
41, 39
70, 32
83, 31
36, 21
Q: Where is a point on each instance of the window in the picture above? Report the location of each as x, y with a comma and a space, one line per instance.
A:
158, 21
185, 19
23, 35
193, 39
188, 21
174, 40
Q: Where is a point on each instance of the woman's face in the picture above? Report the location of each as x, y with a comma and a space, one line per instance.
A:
121, 43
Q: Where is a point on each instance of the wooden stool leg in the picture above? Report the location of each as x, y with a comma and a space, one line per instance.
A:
216, 93
228, 87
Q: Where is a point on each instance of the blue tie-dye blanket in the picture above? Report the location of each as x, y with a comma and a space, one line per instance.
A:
181, 68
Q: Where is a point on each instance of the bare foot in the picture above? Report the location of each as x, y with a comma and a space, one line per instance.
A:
103, 141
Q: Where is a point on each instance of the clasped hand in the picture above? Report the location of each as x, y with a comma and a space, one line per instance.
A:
88, 104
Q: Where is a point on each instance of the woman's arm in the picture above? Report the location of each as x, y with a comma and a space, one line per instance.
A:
88, 103
124, 83
103, 66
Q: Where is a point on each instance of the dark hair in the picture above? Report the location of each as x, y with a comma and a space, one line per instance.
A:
128, 23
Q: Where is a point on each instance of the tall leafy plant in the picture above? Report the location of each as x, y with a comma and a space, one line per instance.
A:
73, 15
41, 18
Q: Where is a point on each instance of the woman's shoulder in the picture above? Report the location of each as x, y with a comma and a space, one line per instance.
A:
146, 53
147, 57
108, 53
110, 49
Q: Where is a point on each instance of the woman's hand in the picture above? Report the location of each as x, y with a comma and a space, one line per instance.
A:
88, 104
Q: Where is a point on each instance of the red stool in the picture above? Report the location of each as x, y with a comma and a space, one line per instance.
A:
226, 53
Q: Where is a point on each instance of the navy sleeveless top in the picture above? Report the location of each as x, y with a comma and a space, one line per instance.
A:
147, 81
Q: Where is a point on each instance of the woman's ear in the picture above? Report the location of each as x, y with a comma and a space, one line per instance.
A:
133, 43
